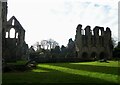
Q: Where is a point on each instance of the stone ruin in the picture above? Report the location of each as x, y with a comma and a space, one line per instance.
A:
93, 44
89, 44
14, 46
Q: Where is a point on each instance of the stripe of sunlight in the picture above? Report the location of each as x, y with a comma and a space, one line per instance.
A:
97, 63
107, 77
39, 70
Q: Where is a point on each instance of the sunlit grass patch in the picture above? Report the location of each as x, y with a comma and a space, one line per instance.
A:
97, 63
107, 77
82, 72
39, 70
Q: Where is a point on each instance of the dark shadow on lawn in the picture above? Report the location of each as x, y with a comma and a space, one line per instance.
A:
74, 78
91, 68
53, 77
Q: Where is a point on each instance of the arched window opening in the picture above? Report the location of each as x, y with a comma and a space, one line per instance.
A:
102, 55
13, 22
16, 35
100, 32
82, 32
93, 56
92, 32
12, 33
6, 36
84, 55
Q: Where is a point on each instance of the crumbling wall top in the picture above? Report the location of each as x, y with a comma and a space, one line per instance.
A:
13, 22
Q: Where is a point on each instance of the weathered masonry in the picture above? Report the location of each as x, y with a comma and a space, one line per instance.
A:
0, 33
14, 46
93, 44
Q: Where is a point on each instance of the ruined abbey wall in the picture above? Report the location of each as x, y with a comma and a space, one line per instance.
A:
14, 46
0, 36
93, 44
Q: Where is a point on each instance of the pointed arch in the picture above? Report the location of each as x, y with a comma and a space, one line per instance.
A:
100, 32
12, 33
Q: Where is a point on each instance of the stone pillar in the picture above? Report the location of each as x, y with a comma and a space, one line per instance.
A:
15, 34
88, 35
88, 31
78, 29
9, 34
78, 40
96, 36
0, 42
102, 31
109, 42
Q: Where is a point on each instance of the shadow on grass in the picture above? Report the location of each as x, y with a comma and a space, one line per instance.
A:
51, 77
91, 68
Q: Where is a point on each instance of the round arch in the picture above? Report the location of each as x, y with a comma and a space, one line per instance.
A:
93, 56
102, 55
84, 55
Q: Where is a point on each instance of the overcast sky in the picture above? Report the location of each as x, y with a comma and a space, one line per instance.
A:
58, 19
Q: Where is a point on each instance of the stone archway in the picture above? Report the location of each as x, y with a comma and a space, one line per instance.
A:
85, 56
102, 55
93, 56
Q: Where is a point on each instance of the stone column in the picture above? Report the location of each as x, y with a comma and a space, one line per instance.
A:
0, 42
9, 34
78, 40
88, 35
15, 34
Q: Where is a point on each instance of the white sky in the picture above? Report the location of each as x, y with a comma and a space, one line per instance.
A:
58, 19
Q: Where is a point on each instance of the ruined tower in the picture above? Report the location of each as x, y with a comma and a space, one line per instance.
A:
93, 44
4, 22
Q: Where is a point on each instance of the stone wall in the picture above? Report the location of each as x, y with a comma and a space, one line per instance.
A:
93, 44
13, 47
0, 28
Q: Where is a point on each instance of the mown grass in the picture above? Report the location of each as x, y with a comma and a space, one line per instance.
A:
82, 72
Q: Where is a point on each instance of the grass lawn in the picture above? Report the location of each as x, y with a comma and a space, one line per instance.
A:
82, 72
18, 63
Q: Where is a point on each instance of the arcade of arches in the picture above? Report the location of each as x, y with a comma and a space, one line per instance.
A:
93, 44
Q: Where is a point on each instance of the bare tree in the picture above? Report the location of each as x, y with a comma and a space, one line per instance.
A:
35, 46
52, 43
44, 44
55, 44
